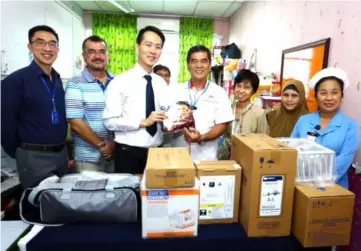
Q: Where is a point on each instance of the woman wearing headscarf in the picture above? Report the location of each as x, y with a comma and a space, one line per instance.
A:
282, 119
329, 126
249, 118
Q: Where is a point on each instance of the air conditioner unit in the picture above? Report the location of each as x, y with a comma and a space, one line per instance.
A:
169, 26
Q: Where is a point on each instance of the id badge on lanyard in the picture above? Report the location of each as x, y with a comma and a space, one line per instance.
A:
54, 114
193, 102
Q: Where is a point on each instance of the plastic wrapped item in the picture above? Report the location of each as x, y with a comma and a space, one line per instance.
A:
316, 164
179, 116
182, 219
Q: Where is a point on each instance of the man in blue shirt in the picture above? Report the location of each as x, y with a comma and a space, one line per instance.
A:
33, 122
85, 102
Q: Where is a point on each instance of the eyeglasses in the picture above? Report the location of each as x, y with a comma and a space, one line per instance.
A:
40, 43
94, 52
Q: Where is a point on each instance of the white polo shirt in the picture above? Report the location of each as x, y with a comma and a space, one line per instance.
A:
213, 107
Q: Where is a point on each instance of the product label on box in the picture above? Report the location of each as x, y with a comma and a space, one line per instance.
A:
271, 195
168, 212
216, 197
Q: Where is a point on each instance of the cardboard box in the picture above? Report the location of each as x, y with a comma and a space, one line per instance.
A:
268, 180
322, 217
170, 212
220, 188
169, 168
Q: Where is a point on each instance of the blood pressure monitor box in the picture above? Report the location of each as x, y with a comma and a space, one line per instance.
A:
268, 181
171, 212
220, 188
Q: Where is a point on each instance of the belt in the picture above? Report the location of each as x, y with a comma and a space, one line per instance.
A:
137, 148
42, 148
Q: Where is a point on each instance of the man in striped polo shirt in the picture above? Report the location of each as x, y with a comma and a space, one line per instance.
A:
85, 102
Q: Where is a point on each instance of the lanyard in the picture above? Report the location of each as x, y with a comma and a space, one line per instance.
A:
52, 93
194, 101
238, 122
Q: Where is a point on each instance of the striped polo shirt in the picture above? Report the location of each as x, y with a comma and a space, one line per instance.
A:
85, 99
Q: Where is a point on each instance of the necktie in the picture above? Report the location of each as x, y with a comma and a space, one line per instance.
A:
150, 104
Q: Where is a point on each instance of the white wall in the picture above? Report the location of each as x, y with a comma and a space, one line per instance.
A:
17, 17
272, 26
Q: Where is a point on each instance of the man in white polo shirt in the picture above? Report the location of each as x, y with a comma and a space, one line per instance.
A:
210, 104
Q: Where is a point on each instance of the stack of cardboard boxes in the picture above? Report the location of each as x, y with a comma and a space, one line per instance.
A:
272, 204
256, 188
178, 194
170, 194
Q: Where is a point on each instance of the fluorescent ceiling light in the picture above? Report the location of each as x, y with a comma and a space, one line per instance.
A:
120, 7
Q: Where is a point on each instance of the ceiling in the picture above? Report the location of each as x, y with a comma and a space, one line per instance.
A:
196, 8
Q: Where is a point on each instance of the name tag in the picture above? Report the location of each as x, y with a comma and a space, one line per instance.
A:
312, 136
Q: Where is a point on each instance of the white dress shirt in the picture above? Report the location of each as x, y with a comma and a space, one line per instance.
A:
125, 107
213, 107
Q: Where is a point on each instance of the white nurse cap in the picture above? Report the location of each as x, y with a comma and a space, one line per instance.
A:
329, 72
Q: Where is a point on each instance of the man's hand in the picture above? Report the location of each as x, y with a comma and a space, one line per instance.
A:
154, 117
106, 148
192, 135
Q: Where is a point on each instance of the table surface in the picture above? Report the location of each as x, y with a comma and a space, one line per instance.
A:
10, 232
109, 237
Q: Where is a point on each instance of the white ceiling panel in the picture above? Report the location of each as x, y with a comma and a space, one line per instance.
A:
180, 7
232, 9
147, 6
124, 3
106, 6
217, 1
88, 5
213, 9
201, 8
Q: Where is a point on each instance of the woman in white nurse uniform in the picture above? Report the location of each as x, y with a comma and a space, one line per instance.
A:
329, 126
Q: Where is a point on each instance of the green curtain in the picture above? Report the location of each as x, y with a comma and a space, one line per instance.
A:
120, 33
193, 31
